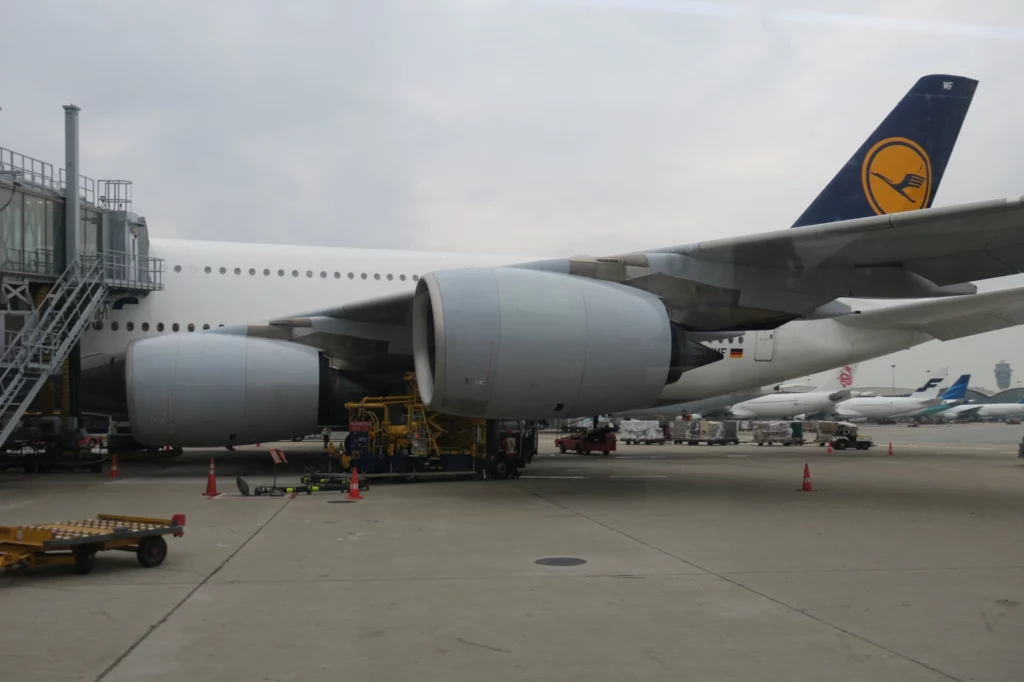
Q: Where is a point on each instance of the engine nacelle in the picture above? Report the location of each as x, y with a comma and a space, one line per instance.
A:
511, 343
204, 390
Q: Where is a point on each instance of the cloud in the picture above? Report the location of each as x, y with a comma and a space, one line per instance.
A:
545, 126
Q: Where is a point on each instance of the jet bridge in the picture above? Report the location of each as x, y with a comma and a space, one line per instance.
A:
70, 248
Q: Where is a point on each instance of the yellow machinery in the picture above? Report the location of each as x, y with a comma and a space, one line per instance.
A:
397, 435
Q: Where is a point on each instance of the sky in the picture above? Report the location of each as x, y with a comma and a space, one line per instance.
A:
551, 127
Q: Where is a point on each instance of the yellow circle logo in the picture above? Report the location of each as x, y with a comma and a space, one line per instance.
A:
897, 176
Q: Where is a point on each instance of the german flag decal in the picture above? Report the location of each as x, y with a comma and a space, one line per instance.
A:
735, 352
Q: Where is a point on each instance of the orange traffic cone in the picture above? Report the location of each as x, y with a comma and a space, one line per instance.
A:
890, 449
830, 446
113, 467
353, 486
806, 487
211, 482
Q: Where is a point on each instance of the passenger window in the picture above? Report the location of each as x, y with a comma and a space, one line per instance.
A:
145, 326
130, 326
362, 276
175, 327
401, 277
223, 270
238, 271
351, 275
113, 326
415, 277
206, 326
323, 275
309, 273
266, 272
98, 324
280, 273
337, 275
220, 325
252, 271
740, 339
191, 327
207, 269
159, 326
376, 276
177, 268
390, 277
295, 273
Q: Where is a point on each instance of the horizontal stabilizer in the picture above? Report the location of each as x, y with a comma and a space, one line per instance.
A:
948, 318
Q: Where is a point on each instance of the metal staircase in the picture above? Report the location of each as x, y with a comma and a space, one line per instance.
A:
47, 337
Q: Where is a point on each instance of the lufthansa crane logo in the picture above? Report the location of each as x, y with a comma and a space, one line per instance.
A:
897, 176
846, 376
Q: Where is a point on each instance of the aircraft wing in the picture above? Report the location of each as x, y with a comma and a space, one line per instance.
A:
764, 280
949, 318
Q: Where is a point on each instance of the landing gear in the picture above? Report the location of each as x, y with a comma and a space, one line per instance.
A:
501, 467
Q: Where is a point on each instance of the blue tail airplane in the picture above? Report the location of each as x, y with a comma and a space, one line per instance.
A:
899, 167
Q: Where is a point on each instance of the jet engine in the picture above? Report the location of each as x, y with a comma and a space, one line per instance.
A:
511, 343
213, 389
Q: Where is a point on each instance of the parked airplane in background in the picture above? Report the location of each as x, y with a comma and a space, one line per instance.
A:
493, 337
783, 405
984, 411
886, 407
953, 397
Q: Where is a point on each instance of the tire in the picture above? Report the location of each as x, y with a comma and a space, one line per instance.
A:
561, 448
579, 449
760, 444
840, 445
862, 446
85, 560
152, 551
500, 468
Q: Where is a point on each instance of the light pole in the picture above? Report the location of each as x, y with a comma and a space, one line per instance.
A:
893, 379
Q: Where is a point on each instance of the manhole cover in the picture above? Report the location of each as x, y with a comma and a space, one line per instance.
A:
340, 501
560, 561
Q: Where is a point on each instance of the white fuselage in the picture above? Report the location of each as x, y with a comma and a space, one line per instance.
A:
986, 411
881, 408
210, 284
780, 405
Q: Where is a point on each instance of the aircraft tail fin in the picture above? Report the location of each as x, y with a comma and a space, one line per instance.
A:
838, 379
930, 389
899, 167
958, 391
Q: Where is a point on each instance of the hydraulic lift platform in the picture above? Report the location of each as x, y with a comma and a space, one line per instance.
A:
77, 542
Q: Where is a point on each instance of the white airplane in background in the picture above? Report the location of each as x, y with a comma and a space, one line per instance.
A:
984, 411
285, 335
886, 407
782, 405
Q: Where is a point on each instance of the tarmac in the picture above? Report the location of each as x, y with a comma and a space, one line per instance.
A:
682, 562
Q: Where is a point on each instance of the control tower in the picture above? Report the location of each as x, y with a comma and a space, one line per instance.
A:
1003, 373
70, 248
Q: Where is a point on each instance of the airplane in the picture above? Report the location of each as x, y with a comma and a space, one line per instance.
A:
709, 408
984, 411
504, 337
953, 397
884, 407
783, 405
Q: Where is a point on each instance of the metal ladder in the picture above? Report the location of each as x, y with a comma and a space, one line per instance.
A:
50, 331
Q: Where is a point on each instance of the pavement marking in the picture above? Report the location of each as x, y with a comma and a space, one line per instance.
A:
641, 476
736, 456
